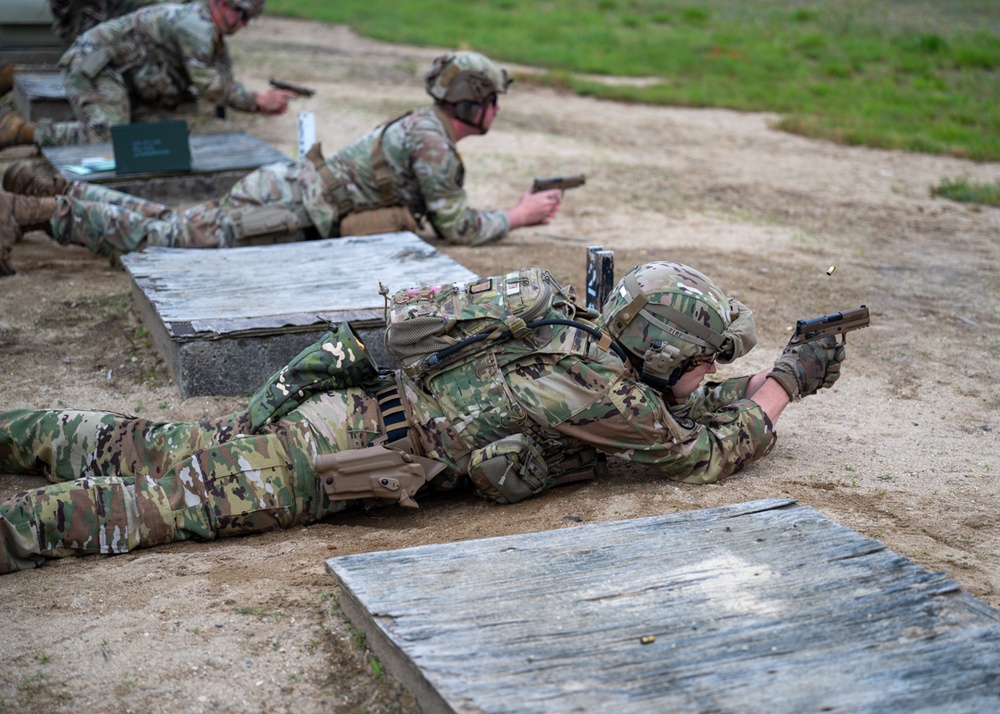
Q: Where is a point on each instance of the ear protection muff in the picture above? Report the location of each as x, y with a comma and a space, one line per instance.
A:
465, 111
656, 365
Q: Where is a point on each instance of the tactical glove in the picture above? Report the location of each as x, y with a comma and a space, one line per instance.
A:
803, 369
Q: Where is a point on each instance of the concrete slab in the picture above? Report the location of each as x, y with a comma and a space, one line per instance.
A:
217, 162
226, 320
762, 607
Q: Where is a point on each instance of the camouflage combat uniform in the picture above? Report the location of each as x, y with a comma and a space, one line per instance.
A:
71, 18
419, 151
141, 66
120, 483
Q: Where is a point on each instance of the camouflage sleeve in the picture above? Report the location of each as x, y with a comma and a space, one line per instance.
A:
206, 59
712, 396
629, 419
440, 172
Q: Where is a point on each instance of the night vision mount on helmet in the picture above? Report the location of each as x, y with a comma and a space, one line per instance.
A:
668, 315
464, 83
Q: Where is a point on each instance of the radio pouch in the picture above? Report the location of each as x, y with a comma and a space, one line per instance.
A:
510, 469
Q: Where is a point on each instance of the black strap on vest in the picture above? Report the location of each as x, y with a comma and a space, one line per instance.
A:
604, 341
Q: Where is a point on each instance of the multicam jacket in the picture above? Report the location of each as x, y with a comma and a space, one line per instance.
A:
427, 172
121, 483
571, 393
72, 18
166, 54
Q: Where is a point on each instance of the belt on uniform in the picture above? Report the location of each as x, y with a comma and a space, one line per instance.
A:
390, 404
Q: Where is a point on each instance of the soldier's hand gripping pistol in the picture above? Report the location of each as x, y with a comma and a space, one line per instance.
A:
290, 87
560, 182
811, 359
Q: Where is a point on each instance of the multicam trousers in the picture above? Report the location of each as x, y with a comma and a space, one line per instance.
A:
109, 222
121, 482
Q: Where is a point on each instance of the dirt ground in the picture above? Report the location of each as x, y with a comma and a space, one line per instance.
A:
903, 449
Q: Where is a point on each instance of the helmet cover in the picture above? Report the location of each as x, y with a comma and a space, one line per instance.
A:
667, 315
465, 77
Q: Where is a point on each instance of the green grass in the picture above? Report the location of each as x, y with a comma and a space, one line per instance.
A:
968, 191
916, 75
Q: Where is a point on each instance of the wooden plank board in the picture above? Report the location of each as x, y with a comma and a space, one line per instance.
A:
41, 95
764, 606
226, 320
217, 162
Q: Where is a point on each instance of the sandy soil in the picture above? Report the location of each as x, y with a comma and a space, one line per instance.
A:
904, 449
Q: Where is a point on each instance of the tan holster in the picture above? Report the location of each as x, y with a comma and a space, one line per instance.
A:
378, 220
379, 471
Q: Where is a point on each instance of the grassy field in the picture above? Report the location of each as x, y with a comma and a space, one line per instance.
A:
917, 75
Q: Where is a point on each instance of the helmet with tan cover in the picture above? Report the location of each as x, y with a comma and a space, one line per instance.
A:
669, 316
463, 82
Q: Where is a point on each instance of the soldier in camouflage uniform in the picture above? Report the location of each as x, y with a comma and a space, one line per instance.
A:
407, 167
626, 382
141, 66
71, 18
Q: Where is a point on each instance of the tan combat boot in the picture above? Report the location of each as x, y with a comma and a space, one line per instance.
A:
22, 178
19, 214
6, 78
14, 131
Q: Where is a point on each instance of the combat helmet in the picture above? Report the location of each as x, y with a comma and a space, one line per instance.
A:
463, 82
669, 317
253, 8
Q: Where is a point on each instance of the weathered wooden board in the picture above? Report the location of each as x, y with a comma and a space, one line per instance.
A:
764, 607
40, 95
217, 162
226, 320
